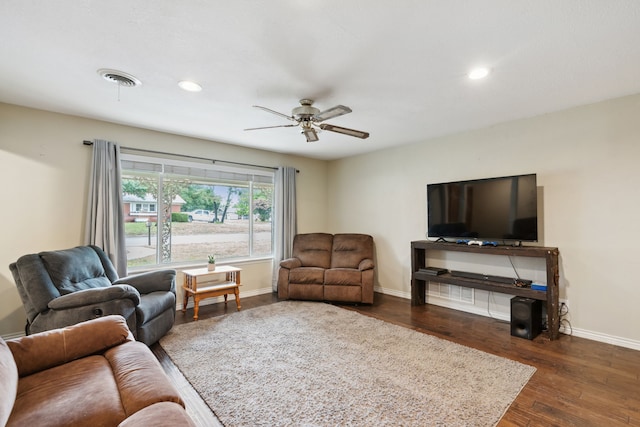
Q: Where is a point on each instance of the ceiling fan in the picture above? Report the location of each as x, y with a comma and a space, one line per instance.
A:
309, 118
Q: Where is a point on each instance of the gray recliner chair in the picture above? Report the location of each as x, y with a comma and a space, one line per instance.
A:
65, 287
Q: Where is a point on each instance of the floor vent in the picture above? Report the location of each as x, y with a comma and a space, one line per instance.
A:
452, 292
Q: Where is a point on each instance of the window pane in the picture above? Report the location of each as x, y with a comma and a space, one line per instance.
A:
195, 216
212, 225
262, 226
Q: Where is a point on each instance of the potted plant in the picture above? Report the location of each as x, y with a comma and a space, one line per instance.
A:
211, 266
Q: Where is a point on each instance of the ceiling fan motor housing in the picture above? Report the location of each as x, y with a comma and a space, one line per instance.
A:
305, 111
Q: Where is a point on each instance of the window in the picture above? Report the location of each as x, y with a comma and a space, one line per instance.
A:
142, 207
179, 212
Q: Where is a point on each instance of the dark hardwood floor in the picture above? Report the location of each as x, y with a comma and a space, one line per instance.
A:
578, 382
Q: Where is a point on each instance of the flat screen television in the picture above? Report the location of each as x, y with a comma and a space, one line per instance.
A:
491, 209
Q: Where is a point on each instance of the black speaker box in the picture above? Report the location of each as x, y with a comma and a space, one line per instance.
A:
526, 317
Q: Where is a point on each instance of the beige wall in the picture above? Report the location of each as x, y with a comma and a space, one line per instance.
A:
44, 170
584, 157
586, 160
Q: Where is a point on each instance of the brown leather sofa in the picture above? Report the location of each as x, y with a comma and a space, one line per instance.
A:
90, 374
327, 267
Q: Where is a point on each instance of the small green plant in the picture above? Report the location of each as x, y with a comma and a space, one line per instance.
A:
212, 259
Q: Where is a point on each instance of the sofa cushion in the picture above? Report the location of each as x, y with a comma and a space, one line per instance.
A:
8, 382
307, 275
343, 276
313, 249
75, 269
349, 250
343, 293
79, 393
306, 292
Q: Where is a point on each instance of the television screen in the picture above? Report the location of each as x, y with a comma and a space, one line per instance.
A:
504, 208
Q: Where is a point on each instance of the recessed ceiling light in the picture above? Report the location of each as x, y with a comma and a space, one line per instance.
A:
189, 86
478, 73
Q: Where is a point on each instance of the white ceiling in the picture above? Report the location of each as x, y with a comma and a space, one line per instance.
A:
401, 66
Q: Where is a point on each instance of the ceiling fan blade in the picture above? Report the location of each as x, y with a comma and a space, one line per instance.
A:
268, 110
346, 131
271, 127
336, 111
311, 134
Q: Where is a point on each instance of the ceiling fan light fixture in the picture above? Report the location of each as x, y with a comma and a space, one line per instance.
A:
189, 86
478, 73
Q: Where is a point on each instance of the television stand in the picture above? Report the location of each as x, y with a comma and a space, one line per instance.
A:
419, 279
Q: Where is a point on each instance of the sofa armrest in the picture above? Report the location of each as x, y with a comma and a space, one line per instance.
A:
366, 264
151, 281
94, 296
140, 379
159, 414
290, 263
44, 350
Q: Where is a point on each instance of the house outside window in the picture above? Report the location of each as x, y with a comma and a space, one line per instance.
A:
179, 212
142, 207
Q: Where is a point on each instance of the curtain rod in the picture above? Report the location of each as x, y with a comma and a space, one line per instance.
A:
85, 142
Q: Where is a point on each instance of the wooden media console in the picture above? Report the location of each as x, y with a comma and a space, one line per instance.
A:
419, 279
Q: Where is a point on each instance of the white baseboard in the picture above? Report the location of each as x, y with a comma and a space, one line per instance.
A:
576, 332
597, 336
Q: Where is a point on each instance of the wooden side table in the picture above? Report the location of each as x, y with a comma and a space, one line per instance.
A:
230, 285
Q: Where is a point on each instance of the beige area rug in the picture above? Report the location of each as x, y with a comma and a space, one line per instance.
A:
313, 364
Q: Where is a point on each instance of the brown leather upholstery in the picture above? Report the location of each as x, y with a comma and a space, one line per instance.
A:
92, 373
329, 267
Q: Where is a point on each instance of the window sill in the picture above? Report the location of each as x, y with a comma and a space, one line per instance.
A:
187, 266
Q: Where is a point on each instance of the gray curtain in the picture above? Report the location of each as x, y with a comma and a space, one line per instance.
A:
105, 215
285, 218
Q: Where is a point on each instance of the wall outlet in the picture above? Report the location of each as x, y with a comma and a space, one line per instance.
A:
563, 307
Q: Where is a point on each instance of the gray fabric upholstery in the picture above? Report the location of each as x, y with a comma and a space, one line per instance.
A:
156, 327
62, 288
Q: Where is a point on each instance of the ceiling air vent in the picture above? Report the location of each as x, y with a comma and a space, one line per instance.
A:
119, 77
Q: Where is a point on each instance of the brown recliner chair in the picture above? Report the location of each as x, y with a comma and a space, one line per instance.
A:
90, 374
326, 267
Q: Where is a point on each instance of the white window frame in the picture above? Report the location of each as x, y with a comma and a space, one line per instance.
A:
200, 169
